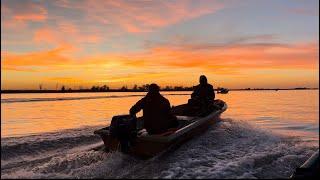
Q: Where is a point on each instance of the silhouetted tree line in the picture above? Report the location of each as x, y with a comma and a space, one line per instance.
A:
135, 88
98, 88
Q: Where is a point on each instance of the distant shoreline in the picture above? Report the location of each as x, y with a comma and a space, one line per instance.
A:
131, 90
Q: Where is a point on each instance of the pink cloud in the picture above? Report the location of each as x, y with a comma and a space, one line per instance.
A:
64, 33
111, 18
24, 11
16, 15
306, 11
46, 35
142, 16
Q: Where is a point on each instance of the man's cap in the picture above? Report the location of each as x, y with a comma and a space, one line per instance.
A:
153, 88
203, 79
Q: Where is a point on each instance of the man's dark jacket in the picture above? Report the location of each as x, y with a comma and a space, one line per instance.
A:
203, 92
156, 113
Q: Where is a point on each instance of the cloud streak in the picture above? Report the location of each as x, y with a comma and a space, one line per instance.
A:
138, 16
204, 56
217, 57
134, 16
26, 11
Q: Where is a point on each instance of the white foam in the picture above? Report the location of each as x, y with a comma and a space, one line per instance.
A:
231, 149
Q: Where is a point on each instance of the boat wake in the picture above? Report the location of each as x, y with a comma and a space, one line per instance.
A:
229, 149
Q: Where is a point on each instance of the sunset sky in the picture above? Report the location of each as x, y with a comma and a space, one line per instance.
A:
235, 43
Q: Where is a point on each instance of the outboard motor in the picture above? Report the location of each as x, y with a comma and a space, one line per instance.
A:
124, 128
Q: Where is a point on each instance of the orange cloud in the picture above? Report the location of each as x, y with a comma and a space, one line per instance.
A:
223, 58
30, 17
49, 58
59, 58
169, 65
65, 79
64, 33
135, 76
238, 55
46, 35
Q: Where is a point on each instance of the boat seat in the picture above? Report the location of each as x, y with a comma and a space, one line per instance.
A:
186, 118
143, 132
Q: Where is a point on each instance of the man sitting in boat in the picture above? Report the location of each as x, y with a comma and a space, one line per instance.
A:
157, 115
202, 96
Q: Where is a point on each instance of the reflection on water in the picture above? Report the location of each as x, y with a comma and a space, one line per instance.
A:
247, 143
289, 112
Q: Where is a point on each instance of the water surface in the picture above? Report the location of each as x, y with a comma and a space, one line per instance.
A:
263, 134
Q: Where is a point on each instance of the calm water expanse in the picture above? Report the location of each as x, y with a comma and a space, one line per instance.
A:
292, 112
263, 134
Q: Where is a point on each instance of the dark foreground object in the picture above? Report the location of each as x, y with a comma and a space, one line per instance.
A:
147, 146
309, 169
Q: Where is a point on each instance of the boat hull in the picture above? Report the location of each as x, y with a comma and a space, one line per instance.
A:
309, 169
146, 146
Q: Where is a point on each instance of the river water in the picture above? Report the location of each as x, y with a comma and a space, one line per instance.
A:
263, 134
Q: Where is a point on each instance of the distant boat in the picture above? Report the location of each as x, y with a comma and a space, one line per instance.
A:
223, 91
